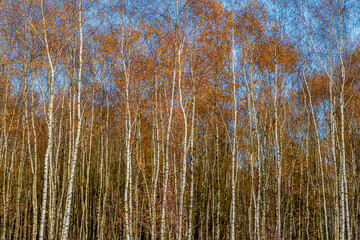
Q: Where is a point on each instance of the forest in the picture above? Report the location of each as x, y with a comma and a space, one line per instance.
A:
180, 119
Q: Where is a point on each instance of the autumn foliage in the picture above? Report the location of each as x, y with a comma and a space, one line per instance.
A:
198, 119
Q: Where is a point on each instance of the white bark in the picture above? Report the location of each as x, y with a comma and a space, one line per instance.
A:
156, 167
166, 161
234, 143
333, 150
190, 233
67, 213
320, 157
128, 160
278, 156
50, 120
185, 148
218, 194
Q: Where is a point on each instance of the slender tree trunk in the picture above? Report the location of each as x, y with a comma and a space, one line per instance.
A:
278, 156
333, 150
48, 154
19, 184
190, 233
166, 160
7, 191
50, 121
4, 152
320, 158
343, 215
32, 151
88, 165
156, 165
185, 148
234, 140
218, 194
69, 194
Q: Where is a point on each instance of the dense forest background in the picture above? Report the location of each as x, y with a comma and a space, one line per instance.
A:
186, 119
